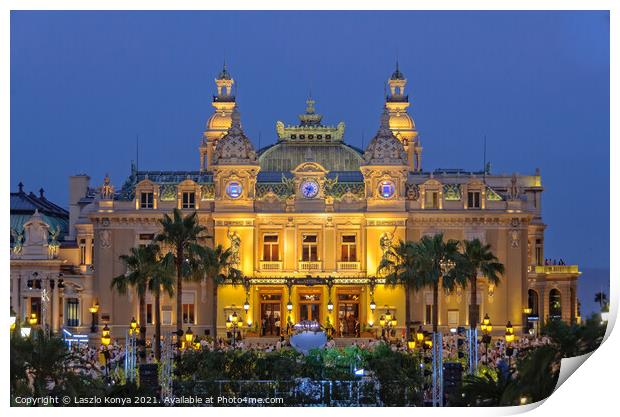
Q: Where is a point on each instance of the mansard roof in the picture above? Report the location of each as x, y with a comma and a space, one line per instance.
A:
23, 205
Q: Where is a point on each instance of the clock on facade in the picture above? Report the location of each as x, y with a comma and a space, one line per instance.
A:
234, 189
386, 189
309, 188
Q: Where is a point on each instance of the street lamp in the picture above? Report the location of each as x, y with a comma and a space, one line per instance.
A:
510, 333
93, 311
232, 322
33, 320
373, 306
486, 327
388, 322
289, 306
12, 321
510, 337
105, 336
189, 337
330, 306
133, 326
246, 306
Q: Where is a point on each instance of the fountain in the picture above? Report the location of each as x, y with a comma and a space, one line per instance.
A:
308, 335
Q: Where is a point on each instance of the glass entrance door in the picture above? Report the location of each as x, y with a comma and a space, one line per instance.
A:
310, 307
270, 314
310, 312
348, 315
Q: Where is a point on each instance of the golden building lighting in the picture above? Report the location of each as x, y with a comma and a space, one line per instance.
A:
308, 218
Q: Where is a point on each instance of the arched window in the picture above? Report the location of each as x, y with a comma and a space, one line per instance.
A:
555, 304
532, 302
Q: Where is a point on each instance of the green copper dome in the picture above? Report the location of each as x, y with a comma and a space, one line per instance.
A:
285, 156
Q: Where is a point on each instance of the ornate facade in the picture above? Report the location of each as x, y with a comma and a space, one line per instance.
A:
309, 219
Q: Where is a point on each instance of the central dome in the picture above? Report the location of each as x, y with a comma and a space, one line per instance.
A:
287, 156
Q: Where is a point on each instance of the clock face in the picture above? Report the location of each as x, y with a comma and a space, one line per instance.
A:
309, 189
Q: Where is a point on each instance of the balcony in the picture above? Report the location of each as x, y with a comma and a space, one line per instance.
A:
310, 266
348, 266
270, 265
556, 269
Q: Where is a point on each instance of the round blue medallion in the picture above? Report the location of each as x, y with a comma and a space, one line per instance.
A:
386, 189
234, 189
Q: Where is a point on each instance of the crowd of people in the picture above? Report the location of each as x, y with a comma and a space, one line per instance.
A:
109, 360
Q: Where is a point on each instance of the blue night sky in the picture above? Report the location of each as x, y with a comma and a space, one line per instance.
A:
85, 84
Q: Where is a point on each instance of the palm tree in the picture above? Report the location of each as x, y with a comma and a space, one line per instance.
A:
600, 298
437, 264
180, 234
400, 268
217, 266
139, 263
477, 259
161, 281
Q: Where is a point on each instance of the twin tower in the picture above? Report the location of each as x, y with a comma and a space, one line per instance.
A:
396, 104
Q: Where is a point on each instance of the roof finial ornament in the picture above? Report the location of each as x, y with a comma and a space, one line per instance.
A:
224, 74
385, 119
20, 186
235, 119
41, 193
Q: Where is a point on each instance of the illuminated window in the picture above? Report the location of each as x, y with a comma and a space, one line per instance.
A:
271, 248
348, 249
146, 200
82, 251
539, 252
189, 200
73, 312
431, 199
309, 248
473, 199
188, 307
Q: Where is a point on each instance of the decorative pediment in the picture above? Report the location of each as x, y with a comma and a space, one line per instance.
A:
310, 168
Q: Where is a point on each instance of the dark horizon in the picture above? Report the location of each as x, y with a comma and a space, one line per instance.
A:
85, 84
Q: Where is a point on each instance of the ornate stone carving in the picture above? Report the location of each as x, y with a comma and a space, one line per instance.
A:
235, 245
168, 192
413, 192
385, 242
18, 241
107, 189
105, 238
514, 189
53, 247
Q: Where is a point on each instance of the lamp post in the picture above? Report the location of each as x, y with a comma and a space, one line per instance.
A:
189, 337
105, 341
486, 328
130, 350
510, 337
388, 322
232, 323
93, 323
33, 320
